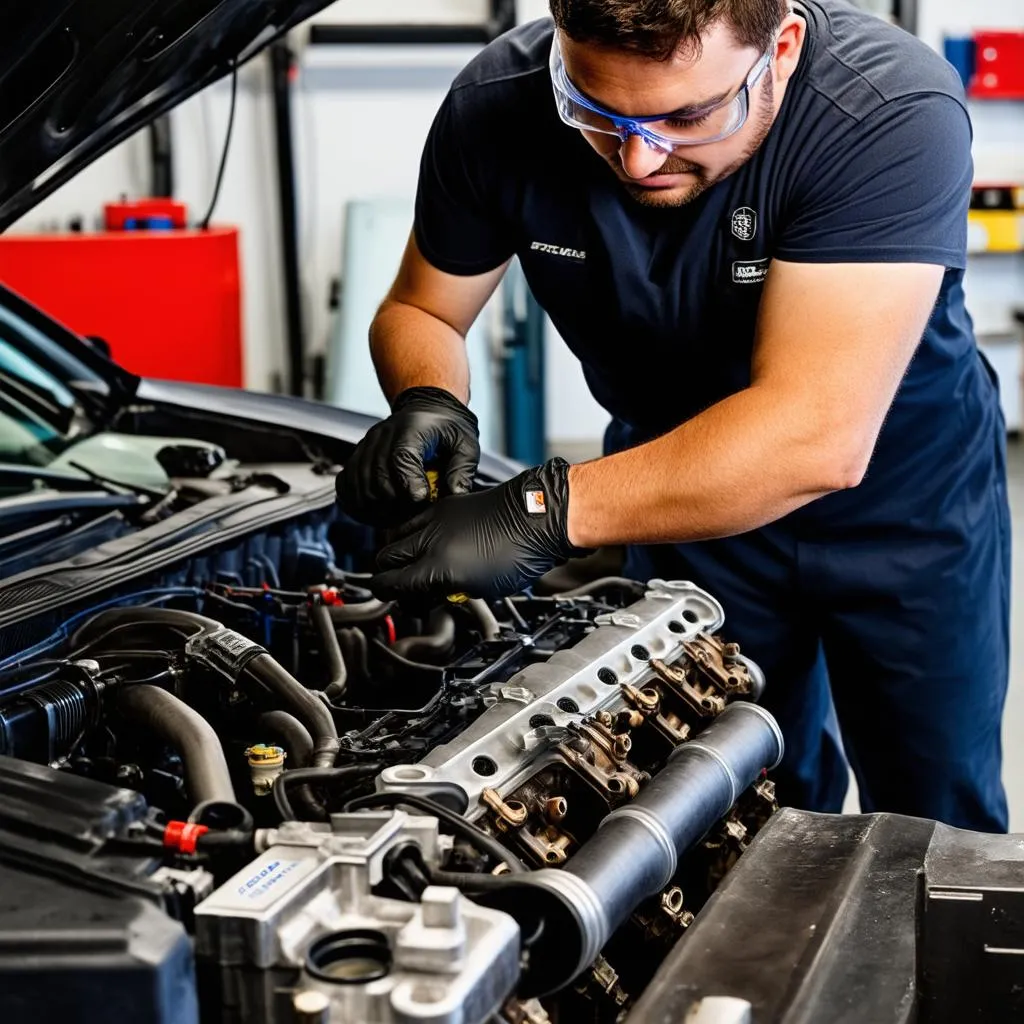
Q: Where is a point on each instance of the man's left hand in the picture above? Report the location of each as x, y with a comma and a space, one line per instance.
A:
487, 544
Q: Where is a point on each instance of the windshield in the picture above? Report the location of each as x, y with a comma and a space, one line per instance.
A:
38, 414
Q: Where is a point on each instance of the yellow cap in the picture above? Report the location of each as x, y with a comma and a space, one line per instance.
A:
432, 478
265, 755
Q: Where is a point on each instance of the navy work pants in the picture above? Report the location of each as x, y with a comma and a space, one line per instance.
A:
906, 634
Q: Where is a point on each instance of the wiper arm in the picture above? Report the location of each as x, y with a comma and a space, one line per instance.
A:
28, 477
118, 486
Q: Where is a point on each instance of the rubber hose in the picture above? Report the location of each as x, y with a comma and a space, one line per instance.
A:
310, 775
144, 616
206, 768
364, 611
326, 630
294, 736
355, 647
489, 627
298, 744
438, 641
308, 709
477, 837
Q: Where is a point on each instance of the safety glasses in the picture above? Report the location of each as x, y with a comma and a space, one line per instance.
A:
663, 131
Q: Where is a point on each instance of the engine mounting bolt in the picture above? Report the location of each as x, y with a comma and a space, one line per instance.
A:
730, 652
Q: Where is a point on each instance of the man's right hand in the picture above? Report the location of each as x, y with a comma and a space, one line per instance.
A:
385, 478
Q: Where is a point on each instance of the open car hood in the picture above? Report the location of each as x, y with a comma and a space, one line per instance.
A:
77, 77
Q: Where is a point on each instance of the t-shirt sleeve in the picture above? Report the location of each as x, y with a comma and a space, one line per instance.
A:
458, 225
894, 188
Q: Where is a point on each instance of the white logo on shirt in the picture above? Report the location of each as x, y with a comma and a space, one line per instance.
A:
749, 271
744, 223
559, 250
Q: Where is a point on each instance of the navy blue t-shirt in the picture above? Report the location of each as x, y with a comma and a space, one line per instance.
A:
868, 161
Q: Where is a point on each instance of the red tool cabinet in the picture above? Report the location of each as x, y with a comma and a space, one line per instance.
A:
168, 302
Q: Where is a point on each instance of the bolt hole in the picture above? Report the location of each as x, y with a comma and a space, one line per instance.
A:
615, 785
690, 615
484, 765
608, 677
568, 705
733, 681
551, 857
539, 721
675, 626
640, 652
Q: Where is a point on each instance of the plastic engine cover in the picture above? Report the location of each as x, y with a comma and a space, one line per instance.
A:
83, 937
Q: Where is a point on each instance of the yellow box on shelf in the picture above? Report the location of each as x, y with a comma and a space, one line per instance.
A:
995, 230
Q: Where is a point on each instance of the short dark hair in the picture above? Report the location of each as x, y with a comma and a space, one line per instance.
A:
658, 28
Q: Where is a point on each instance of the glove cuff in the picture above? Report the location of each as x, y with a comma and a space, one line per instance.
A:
432, 397
546, 494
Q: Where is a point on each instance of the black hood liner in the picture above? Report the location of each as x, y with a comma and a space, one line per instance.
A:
79, 76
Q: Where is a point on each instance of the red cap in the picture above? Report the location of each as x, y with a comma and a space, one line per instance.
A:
182, 836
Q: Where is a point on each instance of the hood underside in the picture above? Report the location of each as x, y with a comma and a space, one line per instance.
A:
77, 77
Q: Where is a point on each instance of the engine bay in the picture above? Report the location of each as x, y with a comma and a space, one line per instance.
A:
264, 795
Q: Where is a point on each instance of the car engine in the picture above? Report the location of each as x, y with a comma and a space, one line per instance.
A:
243, 789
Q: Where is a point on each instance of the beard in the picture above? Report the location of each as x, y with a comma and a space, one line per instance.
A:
669, 198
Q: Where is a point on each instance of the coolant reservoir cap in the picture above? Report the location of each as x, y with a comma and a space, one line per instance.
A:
265, 755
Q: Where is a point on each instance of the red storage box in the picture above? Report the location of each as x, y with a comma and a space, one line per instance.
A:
168, 302
999, 66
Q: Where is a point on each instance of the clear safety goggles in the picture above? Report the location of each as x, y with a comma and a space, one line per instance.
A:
663, 131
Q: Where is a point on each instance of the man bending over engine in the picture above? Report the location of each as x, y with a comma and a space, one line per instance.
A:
748, 221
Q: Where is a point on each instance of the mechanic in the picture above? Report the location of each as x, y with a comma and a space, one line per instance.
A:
748, 221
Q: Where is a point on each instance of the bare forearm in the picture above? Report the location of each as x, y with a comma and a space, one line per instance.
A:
411, 348
744, 462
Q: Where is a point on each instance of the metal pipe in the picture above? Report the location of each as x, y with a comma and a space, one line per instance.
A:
633, 588
636, 849
281, 61
161, 157
206, 768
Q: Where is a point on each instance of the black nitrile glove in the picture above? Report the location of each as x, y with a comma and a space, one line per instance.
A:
486, 544
385, 478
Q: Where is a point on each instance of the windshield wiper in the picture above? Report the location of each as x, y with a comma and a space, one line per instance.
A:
27, 478
118, 486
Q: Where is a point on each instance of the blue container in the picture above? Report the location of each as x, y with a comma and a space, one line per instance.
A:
960, 53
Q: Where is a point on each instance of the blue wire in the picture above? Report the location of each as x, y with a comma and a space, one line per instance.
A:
61, 634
